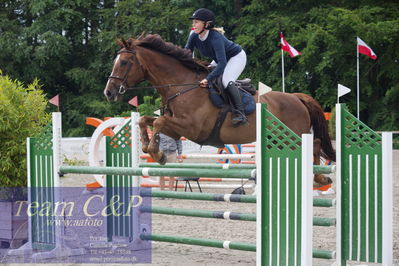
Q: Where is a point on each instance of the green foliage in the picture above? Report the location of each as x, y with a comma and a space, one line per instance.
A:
22, 114
150, 105
325, 33
70, 46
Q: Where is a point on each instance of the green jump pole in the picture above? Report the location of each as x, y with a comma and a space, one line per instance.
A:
199, 165
216, 173
198, 196
323, 169
317, 169
200, 242
321, 254
318, 202
200, 213
321, 221
317, 221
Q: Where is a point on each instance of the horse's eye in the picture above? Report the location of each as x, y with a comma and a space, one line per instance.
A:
123, 62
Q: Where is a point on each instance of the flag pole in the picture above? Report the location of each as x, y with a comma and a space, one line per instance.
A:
282, 69
358, 83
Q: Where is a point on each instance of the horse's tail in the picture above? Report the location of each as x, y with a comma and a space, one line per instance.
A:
319, 125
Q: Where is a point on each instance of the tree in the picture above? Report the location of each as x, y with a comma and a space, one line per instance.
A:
70, 46
17, 122
326, 37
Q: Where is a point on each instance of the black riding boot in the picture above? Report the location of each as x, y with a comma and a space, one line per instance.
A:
238, 117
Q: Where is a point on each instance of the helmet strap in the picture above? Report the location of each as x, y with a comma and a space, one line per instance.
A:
204, 28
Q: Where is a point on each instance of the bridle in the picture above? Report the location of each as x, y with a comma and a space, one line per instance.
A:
124, 86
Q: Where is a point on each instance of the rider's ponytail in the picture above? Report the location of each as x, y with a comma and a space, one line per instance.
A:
219, 29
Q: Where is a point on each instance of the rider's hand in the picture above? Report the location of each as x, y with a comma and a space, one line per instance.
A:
179, 158
204, 83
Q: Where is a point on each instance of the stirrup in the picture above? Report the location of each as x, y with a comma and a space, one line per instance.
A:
239, 119
240, 123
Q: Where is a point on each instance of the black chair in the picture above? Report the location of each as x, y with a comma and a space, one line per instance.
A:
187, 180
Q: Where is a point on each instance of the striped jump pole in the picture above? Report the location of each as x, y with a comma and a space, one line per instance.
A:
227, 215
317, 202
187, 172
210, 156
220, 244
317, 169
200, 242
198, 165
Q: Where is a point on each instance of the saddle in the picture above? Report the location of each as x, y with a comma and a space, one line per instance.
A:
220, 99
244, 85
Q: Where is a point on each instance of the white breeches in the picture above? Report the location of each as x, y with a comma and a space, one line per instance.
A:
234, 68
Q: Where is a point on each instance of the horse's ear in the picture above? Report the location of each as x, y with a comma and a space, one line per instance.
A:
142, 35
119, 43
125, 44
130, 43
122, 43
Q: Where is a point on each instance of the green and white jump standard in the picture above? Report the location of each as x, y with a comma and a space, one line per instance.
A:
284, 193
284, 198
43, 162
364, 191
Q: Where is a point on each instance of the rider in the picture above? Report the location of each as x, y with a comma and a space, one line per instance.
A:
229, 56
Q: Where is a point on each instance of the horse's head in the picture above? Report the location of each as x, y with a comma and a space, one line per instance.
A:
126, 72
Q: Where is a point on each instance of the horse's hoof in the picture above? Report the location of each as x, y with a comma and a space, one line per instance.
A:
144, 149
322, 179
163, 159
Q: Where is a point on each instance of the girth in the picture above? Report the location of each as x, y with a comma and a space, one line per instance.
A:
214, 137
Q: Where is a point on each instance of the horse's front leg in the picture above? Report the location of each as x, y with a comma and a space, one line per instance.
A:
319, 178
164, 124
144, 122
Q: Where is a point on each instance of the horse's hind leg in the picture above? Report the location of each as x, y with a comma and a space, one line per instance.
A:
144, 122
319, 178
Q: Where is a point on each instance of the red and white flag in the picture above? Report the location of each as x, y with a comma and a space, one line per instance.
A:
363, 48
285, 46
134, 102
55, 100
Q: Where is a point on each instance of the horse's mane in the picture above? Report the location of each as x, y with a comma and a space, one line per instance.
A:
154, 41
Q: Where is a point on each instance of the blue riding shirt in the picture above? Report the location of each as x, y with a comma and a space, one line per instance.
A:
215, 46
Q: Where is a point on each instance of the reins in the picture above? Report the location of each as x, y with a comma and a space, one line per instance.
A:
123, 88
170, 98
161, 86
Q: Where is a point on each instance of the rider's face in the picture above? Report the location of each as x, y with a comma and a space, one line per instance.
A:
198, 25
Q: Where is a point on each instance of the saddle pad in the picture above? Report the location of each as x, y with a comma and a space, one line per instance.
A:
246, 98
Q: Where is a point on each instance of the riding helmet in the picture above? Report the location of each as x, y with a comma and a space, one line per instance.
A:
204, 14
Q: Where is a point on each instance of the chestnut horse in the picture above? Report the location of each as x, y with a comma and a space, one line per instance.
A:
188, 109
